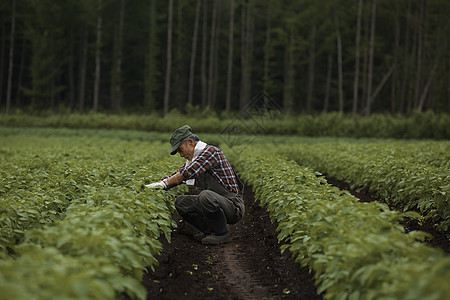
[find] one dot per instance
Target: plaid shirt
(212, 160)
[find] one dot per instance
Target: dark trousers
(212, 198)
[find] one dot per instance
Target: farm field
(73, 201)
(75, 219)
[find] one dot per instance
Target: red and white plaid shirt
(212, 160)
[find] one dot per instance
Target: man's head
(183, 141)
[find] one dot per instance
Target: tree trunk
(52, 93)
(340, 72)
(405, 60)
(267, 45)
(365, 65)
(212, 44)
(152, 73)
(21, 69)
(288, 101)
(11, 57)
(250, 37)
(371, 50)
(116, 81)
(312, 59)
(419, 55)
(98, 47)
(178, 78)
(394, 74)
(412, 61)
(71, 72)
(328, 84)
(2, 60)
(204, 49)
(216, 57)
(244, 52)
(83, 66)
(230, 58)
(169, 58)
(193, 53)
(246, 40)
(448, 83)
(357, 54)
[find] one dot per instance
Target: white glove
(157, 185)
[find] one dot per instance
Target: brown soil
(249, 266)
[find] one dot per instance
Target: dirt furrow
(250, 266)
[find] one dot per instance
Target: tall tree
(371, 57)
(179, 64)
(71, 71)
(2, 59)
(288, 98)
(267, 44)
(204, 80)
(21, 71)
(152, 72)
(11, 57)
(395, 84)
(311, 68)
(357, 58)
(340, 66)
(216, 56)
(169, 58)
(230, 57)
(82, 69)
(98, 47)
(193, 53)
(116, 78)
(406, 58)
(246, 51)
(212, 50)
(328, 84)
(419, 62)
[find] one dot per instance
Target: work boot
(199, 236)
(217, 225)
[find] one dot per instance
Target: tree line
(352, 56)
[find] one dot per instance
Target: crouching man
(220, 201)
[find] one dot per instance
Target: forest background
(120, 56)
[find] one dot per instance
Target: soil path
(250, 266)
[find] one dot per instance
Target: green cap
(177, 136)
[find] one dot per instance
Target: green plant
(81, 213)
(356, 250)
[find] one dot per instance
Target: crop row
(356, 250)
(39, 176)
(103, 234)
(411, 175)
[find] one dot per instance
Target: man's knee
(181, 204)
(208, 201)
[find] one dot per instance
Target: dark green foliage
(410, 175)
(356, 250)
(427, 125)
(55, 42)
(75, 218)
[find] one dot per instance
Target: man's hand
(157, 185)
